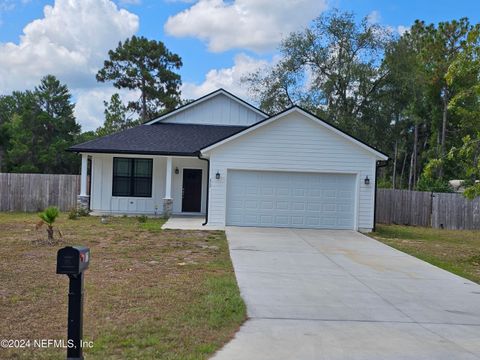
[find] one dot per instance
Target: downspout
(378, 164)
(208, 185)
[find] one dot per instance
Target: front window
(132, 177)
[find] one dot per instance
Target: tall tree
(149, 67)
(466, 104)
(116, 117)
(41, 126)
(402, 99)
(331, 68)
(441, 45)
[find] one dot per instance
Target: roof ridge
(191, 124)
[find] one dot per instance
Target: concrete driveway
(321, 294)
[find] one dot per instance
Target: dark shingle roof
(160, 139)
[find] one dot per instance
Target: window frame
(131, 177)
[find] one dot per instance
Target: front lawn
(457, 251)
(149, 293)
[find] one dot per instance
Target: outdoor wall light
(176, 170)
(217, 176)
(367, 180)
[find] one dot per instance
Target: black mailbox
(73, 260)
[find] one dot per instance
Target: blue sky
(219, 41)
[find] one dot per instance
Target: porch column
(83, 198)
(167, 200)
(83, 176)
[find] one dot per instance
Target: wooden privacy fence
(35, 192)
(438, 210)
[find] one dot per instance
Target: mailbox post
(73, 261)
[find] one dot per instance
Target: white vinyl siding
(218, 110)
(290, 199)
(102, 200)
(293, 143)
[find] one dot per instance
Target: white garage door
(287, 199)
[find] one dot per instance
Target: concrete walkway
(185, 222)
(320, 294)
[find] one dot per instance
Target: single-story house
(225, 159)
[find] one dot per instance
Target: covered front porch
(128, 184)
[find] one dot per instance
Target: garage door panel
(281, 220)
(281, 205)
(298, 206)
(282, 199)
(266, 205)
(268, 191)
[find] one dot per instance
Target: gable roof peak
(219, 91)
(379, 154)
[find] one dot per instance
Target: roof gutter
(208, 185)
(131, 152)
(378, 164)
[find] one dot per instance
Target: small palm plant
(48, 216)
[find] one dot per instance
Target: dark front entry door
(192, 190)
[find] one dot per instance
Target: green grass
(149, 293)
(457, 251)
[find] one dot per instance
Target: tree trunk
(394, 175)
(412, 175)
(403, 169)
(415, 152)
(144, 102)
(444, 132)
(50, 233)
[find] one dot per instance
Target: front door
(192, 190)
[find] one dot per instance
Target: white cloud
(374, 17)
(181, 1)
(402, 29)
(6, 5)
(70, 41)
(258, 25)
(130, 2)
(227, 78)
(89, 104)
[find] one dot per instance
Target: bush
(383, 183)
(48, 218)
(75, 213)
(142, 218)
(83, 212)
(435, 185)
(72, 214)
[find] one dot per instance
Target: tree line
(37, 126)
(414, 96)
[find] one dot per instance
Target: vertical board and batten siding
(102, 200)
(218, 110)
(177, 181)
(293, 143)
(421, 208)
(35, 192)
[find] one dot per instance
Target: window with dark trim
(132, 177)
